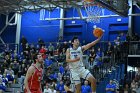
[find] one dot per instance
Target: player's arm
(28, 75)
(40, 87)
(89, 45)
(68, 57)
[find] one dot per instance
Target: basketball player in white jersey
(75, 63)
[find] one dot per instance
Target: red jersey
(34, 81)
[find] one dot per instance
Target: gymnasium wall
(9, 34)
(35, 26)
(136, 21)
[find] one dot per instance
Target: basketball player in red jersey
(33, 77)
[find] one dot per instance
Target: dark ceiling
(8, 6)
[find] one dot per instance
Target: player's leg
(92, 80)
(76, 80)
(88, 76)
(78, 88)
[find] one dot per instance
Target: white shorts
(78, 73)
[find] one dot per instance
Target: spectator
(41, 42)
(15, 67)
(92, 53)
(127, 89)
(109, 49)
(92, 56)
(32, 48)
(133, 85)
(5, 64)
(138, 89)
(2, 86)
(61, 69)
(15, 56)
(22, 73)
(9, 71)
(10, 75)
(23, 42)
(99, 56)
(8, 59)
(137, 77)
(62, 56)
(51, 49)
(52, 89)
(122, 36)
(37, 48)
(59, 77)
(57, 48)
(86, 88)
(43, 52)
(60, 87)
(47, 89)
(48, 62)
(53, 84)
(65, 46)
(117, 41)
(26, 52)
(91, 61)
(5, 79)
(111, 88)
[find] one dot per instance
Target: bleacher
(111, 69)
(15, 88)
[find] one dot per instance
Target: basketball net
(93, 10)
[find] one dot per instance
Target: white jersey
(73, 54)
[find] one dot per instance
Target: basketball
(97, 32)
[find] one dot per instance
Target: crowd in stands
(132, 86)
(56, 75)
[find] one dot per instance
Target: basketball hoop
(93, 10)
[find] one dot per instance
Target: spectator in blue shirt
(60, 87)
(61, 69)
(111, 88)
(48, 61)
(5, 79)
(53, 76)
(122, 36)
(98, 57)
(86, 88)
(2, 85)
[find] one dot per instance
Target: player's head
(75, 41)
(38, 58)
